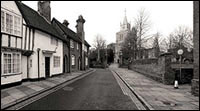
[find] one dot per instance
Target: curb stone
(141, 99)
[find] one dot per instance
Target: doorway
(47, 67)
(65, 65)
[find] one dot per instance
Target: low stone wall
(158, 69)
(150, 70)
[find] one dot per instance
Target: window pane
(9, 63)
(2, 21)
(18, 63)
(56, 61)
(9, 23)
(17, 28)
(5, 63)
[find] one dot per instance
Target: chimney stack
(81, 34)
(66, 23)
(44, 9)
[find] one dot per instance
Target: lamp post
(180, 52)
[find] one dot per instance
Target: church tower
(125, 25)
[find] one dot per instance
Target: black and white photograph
(99, 55)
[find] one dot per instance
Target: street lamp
(180, 53)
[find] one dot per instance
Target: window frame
(56, 61)
(71, 44)
(15, 63)
(12, 26)
(73, 60)
(77, 46)
(86, 61)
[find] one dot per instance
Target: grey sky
(104, 17)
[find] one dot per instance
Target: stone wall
(157, 69)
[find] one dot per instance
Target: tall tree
(142, 25)
(129, 46)
(181, 36)
(99, 43)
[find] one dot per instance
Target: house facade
(34, 47)
(75, 47)
(11, 43)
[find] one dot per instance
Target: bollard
(176, 84)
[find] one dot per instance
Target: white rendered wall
(43, 41)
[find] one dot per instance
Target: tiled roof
(69, 32)
(35, 20)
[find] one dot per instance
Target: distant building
(120, 37)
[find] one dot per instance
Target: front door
(47, 67)
(65, 64)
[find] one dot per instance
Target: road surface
(98, 91)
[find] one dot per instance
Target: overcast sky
(104, 17)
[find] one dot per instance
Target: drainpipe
(38, 52)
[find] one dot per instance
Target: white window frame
(73, 60)
(56, 61)
(2, 21)
(86, 61)
(15, 28)
(77, 46)
(71, 43)
(9, 23)
(15, 63)
(17, 25)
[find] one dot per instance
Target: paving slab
(158, 95)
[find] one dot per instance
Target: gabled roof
(67, 31)
(86, 43)
(35, 20)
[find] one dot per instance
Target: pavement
(16, 94)
(98, 91)
(157, 95)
